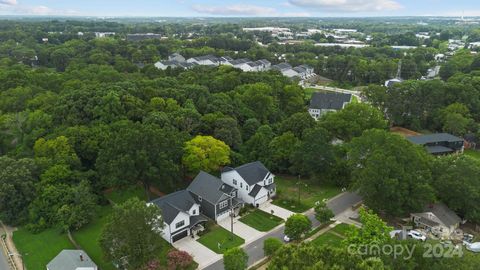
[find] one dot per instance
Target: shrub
(297, 225)
(271, 245)
(235, 259)
(179, 260)
(323, 213)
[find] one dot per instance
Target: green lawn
(122, 195)
(218, 235)
(329, 239)
(342, 228)
(261, 220)
(310, 192)
(473, 153)
(309, 92)
(39, 249)
(88, 238)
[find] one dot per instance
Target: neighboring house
(439, 143)
(286, 70)
(253, 181)
(163, 65)
(438, 219)
(206, 60)
(181, 215)
(240, 64)
(69, 259)
(176, 57)
(304, 71)
(214, 196)
(324, 102)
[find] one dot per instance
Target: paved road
(255, 249)
(341, 203)
(3, 261)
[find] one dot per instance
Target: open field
(310, 192)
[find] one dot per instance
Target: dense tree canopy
(392, 174)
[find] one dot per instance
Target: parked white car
(417, 235)
(474, 247)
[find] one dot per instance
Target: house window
(180, 224)
(234, 182)
(199, 198)
(223, 204)
(241, 185)
(246, 187)
(194, 212)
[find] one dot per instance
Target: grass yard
(121, 195)
(309, 92)
(287, 193)
(261, 220)
(218, 235)
(473, 153)
(341, 228)
(88, 238)
(39, 249)
(329, 239)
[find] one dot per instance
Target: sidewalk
(11, 246)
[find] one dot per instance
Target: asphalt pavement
(3, 261)
(254, 250)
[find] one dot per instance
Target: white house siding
(289, 73)
(242, 192)
(223, 216)
(262, 196)
(161, 66)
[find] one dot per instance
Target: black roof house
(329, 100)
(210, 188)
(438, 143)
(174, 203)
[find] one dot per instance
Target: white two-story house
(181, 215)
(253, 181)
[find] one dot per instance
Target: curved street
(3, 262)
(338, 205)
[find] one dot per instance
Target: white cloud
(348, 5)
(8, 2)
(235, 10)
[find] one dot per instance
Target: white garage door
(223, 216)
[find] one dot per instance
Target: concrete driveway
(277, 210)
(241, 229)
(200, 253)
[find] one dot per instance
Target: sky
(241, 8)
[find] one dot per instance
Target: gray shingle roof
(253, 172)
(444, 214)
(329, 100)
(209, 187)
(174, 203)
(433, 138)
(282, 66)
(239, 61)
(69, 259)
(255, 190)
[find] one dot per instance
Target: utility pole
(298, 185)
(231, 216)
